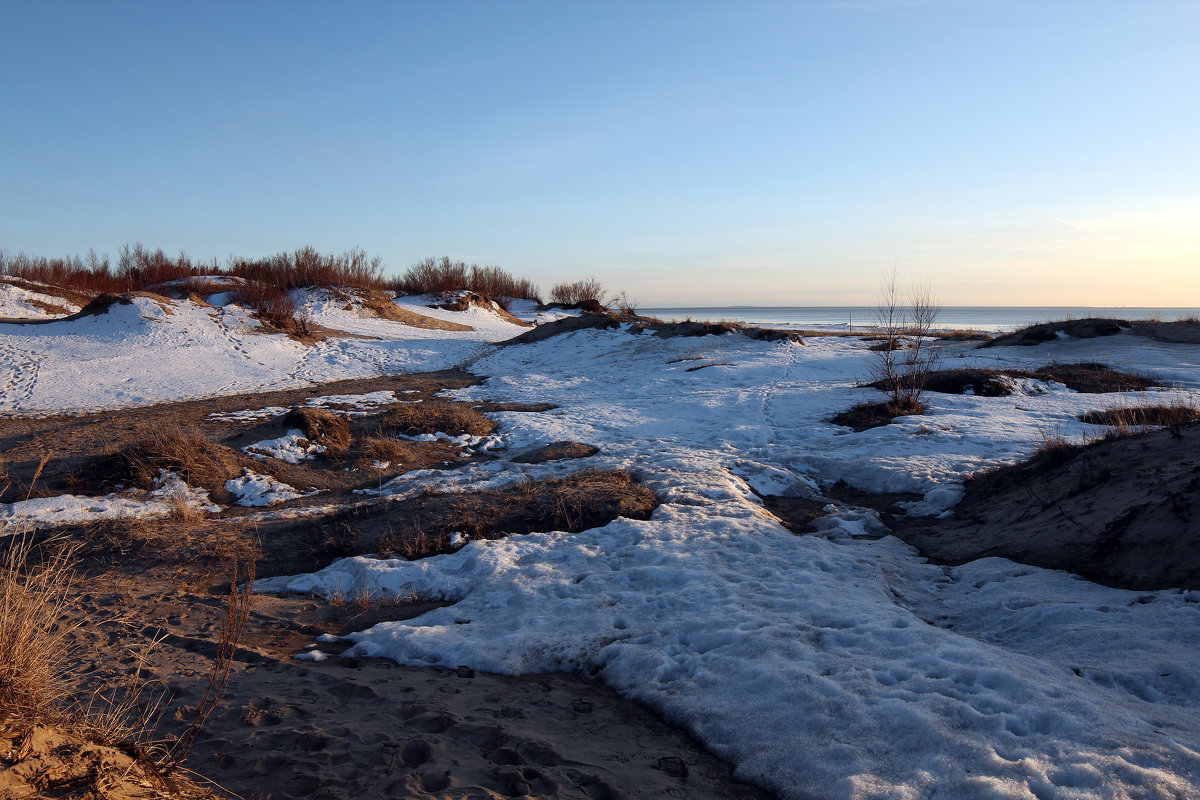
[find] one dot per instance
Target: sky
(1005, 152)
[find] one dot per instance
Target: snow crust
(252, 489)
(293, 447)
(15, 303)
(835, 665)
(170, 493)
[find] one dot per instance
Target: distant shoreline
(985, 318)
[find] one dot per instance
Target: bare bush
(569, 294)
(908, 354)
(442, 274)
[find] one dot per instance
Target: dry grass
(164, 447)
(1129, 420)
(865, 416)
(385, 450)
(1091, 378)
(432, 416)
(34, 595)
(323, 427)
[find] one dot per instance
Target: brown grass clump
(1091, 378)
(396, 453)
(195, 459)
(1128, 420)
(433, 416)
(865, 416)
(33, 643)
(323, 427)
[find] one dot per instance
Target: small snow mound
(253, 489)
(293, 447)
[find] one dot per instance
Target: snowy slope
(132, 354)
(822, 666)
(18, 302)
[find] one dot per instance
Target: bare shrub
(308, 267)
(907, 355)
(433, 416)
(274, 306)
(583, 291)
(623, 303)
(442, 274)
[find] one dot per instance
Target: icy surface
(835, 665)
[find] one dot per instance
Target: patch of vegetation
(865, 416)
(323, 427)
(1090, 378)
(982, 382)
(432, 416)
(438, 275)
(197, 460)
(584, 500)
(556, 451)
(584, 291)
(1128, 420)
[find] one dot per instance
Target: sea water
(983, 318)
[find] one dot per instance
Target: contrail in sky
(1077, 227)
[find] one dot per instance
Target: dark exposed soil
(1083, 377)
(1183, 331)
(639, 324)
(1123, 512)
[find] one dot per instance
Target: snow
(292, 447)
(170, 492)
(838, 664)
(17, 302)
(131, 354)
(252, 489)
(835, 665)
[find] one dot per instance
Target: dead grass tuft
(323, 427)
(1128, 420)
(34, 589)
(865, 416)
(163, 447)
(432, 416)
(396, 453)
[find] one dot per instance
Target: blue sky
(1031, 153)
